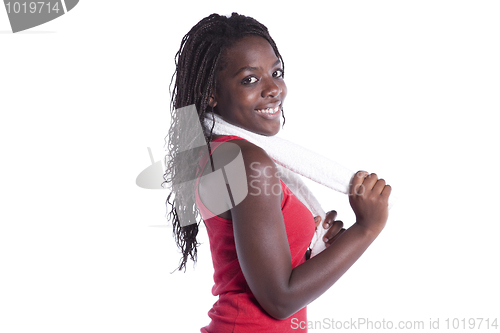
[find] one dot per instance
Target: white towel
(293, 160)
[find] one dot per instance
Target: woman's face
(250, 88)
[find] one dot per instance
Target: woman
(232, 67)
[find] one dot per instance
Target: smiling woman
(251, 87)
(263, 278)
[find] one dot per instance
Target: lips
(270, 109)
(270, 113)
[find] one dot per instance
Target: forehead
(252, 51)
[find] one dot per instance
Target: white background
(407, 89)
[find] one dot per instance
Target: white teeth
(269, 110)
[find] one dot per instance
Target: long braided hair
(200, 57)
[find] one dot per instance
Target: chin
(270, 131)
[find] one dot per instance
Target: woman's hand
(369, 200)
(335, 227)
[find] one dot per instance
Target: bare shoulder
(228, 151)
(245, 166)
(253, 153)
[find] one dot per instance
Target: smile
(269, 110)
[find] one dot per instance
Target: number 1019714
(32, 7)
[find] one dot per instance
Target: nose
(271, 88)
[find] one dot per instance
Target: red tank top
(237, 310)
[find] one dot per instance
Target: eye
(279, 73)
(249, 80)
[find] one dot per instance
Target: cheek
(246, 98)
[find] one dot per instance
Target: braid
(199, 59)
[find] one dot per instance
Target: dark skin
(335, 227)
(250, 82)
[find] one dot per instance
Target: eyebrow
(250, 68)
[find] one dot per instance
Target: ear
(212, 102)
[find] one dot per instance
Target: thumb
(317, 220)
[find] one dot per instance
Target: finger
(335, 228)
(379, 186)
(356, 182)
(317, 221)
(337, 225)
(370, 181)
(334, 238)
(332, 214)
(386, 191)
(329, 219)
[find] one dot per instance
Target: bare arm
(262, 245)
